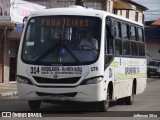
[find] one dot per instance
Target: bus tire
(129, 100)
(104, 105)
(34, 104)
(120, 101)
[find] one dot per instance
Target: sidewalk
(8, 90)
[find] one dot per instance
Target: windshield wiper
(70, 52)
(64, 45)
(46, 52)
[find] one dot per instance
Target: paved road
(147, 103)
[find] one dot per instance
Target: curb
(9, 94)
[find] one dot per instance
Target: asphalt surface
(145, 104)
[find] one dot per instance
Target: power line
(152, 14)
(153, 10)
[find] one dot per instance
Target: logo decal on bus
(55, 76)
(110, 72)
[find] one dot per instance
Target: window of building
(136, 16)
(127, 13)
(115, 11)
(108, 6)
(120, 12)
(143, 19)
(96, 5)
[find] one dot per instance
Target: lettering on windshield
(69, 22)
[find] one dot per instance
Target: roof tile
(156, 22)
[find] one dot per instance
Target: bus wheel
(129, 100)
(104, 105)
(120, 101)
(34, 105)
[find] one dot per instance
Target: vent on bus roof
(75, 6)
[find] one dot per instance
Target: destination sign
(55, 70)
(68, 22)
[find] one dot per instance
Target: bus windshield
(62, 40)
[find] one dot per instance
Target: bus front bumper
(81, 93)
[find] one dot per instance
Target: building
(152, 33)
(125, 8)
(12, 13)
(5, 26)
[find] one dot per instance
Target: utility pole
(79, 2)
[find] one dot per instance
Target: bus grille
(57, 81)
(60, 94)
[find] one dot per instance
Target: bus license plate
(57, 98)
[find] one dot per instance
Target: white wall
(153, 50)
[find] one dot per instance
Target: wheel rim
(132, 96)
(107, 99)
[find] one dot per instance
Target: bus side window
(118, 47)
(141, 45)
(118, 39)
(126, 47)
(134, 48)
(140, 35)
(109, 46)
(141, 49)
(125, 39)
(133, 33)
(109, 49)
(108, 37)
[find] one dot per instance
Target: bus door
(109, 52)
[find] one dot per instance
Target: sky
(154, 8)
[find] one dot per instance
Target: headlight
(158, 70)
(24, 80)
(94, 80)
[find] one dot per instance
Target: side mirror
(109, 28)
(24, 20)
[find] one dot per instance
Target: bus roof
(78, 10)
